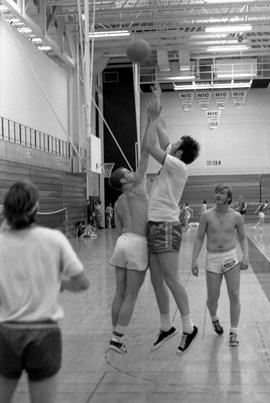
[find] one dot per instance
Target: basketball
(138, 51)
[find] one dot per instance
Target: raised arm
(143, 163)
(163, 137)
(152, 143)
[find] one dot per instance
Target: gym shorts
(38, 351)
(221, 262)
(164, 236)
(130, 252)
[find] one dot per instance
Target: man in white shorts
(130, 256)
(222, 226)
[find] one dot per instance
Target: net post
(66, 219)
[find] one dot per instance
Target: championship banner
(203, 98)
(186, 99)
(221, 97)
(213, 118)
(239, 97)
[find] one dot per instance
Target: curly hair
(190, 148)
(21, 204)
(116, 180)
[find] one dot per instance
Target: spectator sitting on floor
(79, 228)
(89, 232)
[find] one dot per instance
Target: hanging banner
(186, 99)
(221, 97)
(213, 118)
(203, 98)
(239, 97)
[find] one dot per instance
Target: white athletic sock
(214, 318)
(165, 322)
(119, 332)
(187, 324)
(233, 330)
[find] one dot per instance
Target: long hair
(221, 187)
(21, 204)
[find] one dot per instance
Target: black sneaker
(163, 336)
(117, 346)
(217, 327)
(186, 341)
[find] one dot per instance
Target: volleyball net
(57, 219)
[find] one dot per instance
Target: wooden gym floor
(210, 372)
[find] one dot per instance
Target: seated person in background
(79, 228)
(89, 232)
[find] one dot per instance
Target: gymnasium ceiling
(175, 30)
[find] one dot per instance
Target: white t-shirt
(31, 263)
(167, 190)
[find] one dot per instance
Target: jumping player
(164, 228)
(130, 256)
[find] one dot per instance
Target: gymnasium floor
(210, 372)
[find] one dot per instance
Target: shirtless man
(130, 256)
(222, 226)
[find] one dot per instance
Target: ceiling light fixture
(109, 34)
(24, 30)
(229, 48)
(44, 47)
(180, 78)
(225, 1)
(3, 9)
(37, 40)
(212, 86)
(229, 28)
(237, 75)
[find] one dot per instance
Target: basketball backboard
(94, 154)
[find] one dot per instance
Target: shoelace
(217, 325)
(233, 338)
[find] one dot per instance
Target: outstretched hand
(153, 109)
(156, 91)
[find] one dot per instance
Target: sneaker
(186, 341)
(234, 342)
(163, 336)
(217, 327)
(117, 346)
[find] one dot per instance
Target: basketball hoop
(106, 168)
